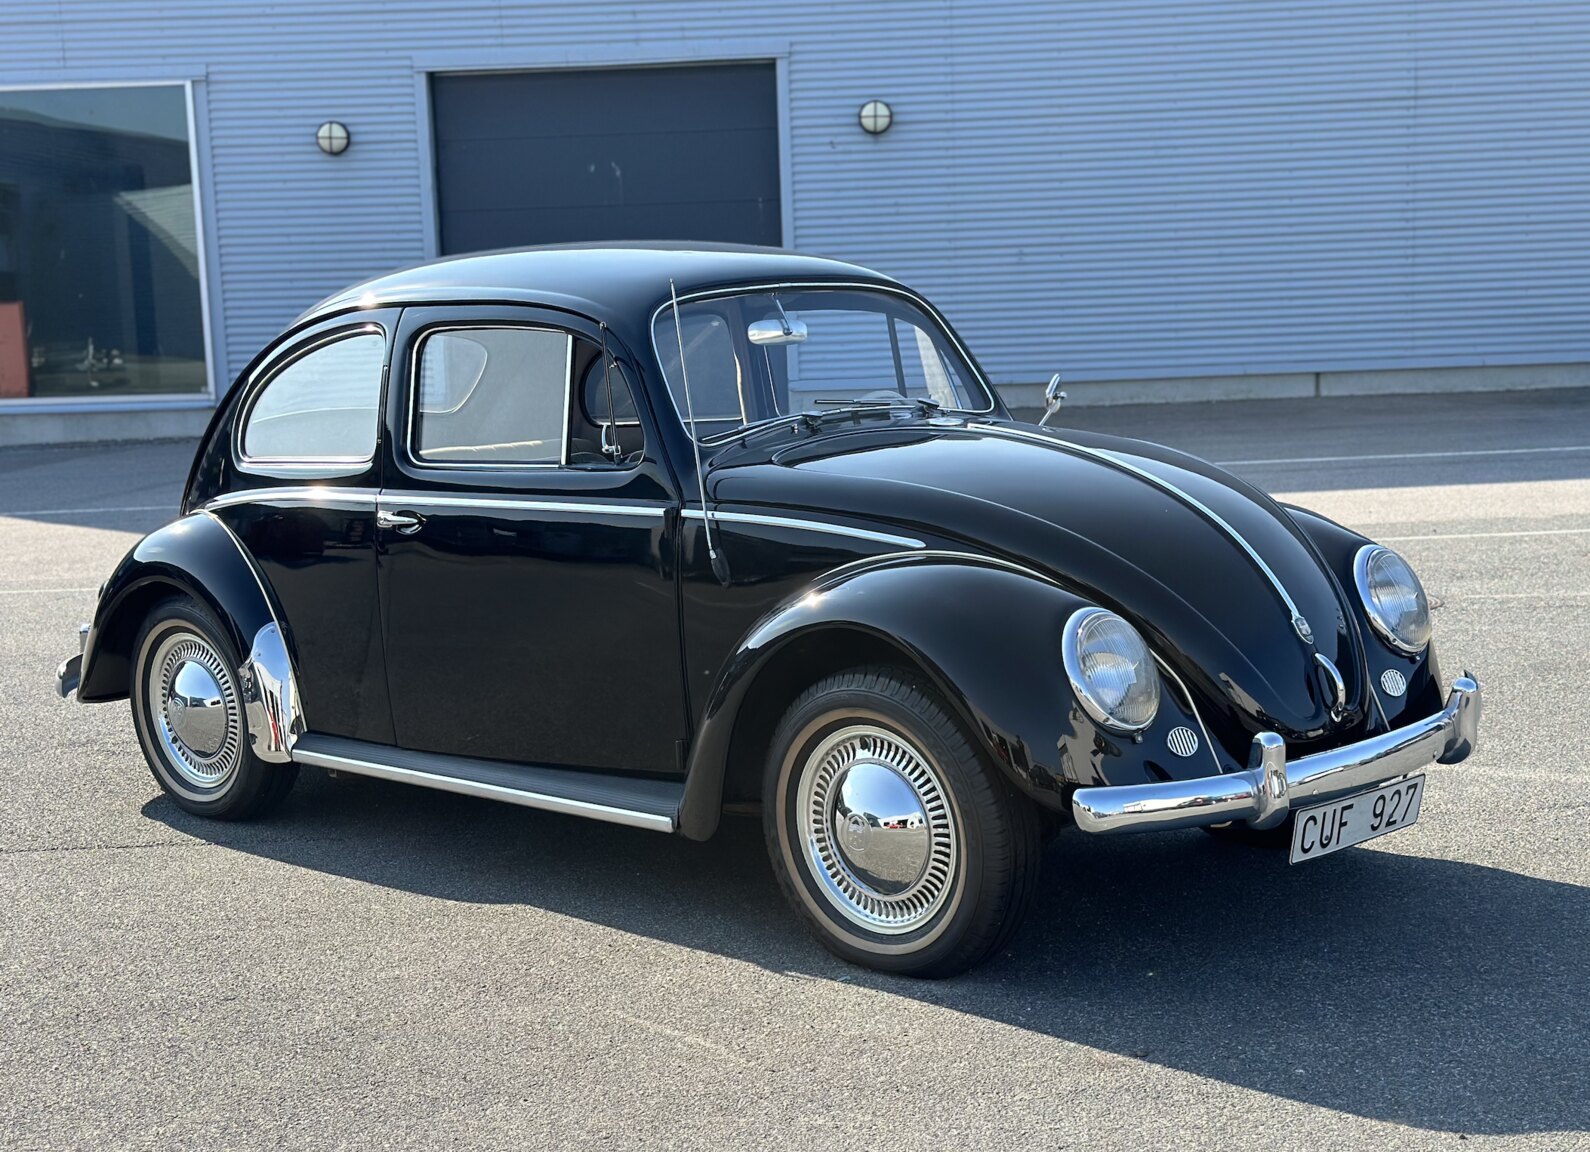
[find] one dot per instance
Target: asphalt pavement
(378, 966)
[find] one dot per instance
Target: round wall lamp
(333, 138)
(875, 117)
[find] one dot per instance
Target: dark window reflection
(99, 252)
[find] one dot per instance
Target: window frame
(268, 373)
(716, 439)
(192, 86)
(411, 404)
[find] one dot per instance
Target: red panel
(13, 351)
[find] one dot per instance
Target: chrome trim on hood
(1299, 623)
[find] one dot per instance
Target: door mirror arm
(1053, 396)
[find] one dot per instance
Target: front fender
(1420, 674)
(198, 556)
(985, 632)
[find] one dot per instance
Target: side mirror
(776, 332)
(1054, 397)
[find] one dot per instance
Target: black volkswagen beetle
(635, 532)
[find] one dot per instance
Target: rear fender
(197, 556)
(986, 633)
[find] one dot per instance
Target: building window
(99, 245)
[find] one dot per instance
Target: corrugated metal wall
(1116, 188)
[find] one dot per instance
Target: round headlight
(1393, 597)
(1111, 669)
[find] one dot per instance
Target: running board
(630, 800)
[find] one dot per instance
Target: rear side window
(322, 405)
(492, 396)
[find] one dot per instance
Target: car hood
(1203, 563)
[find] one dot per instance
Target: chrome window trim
(1299, 623)
(401, 499)
(267, 373)
(900, 290)
(308, 496)
(808, 525)
(413, 397)
(524, 797)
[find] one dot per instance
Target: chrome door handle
(404, 522)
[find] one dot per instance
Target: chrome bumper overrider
(70, 673)
(1271, 787)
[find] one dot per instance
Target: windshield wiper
(833, 409)
(857, 406)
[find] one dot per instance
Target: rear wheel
(188, 713)
(892, 839)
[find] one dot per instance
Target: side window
(322, 406)
(492, 396)
(602, 385)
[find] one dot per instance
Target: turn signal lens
(1393, 598)
(1111, 669)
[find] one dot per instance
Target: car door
(527, 577)
(301, 498)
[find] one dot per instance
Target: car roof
(608, 281)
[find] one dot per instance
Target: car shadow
(1440, 995)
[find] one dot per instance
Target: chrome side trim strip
(807, 525)
(518, 796)
(417, 500)
(279, 666)
(1271, 787)
(307, 496)
(1300, 624)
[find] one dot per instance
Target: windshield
(759, 355)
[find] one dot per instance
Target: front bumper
(70, 673)
(1266, 792)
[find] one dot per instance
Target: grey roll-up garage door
(687, 153)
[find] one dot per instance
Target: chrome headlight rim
(1091, 704)
(1361, 562)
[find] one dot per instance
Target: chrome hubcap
(877, 827)
(195, 710)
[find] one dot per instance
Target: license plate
(1328, 828)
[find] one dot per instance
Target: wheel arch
(198, 557)
(927, 614)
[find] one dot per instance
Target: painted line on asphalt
(42, 591)
(1460, 597)
(1489, 535)
(92, 511)
(1407, 456)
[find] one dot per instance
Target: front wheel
(188, 713)
(893, 839)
